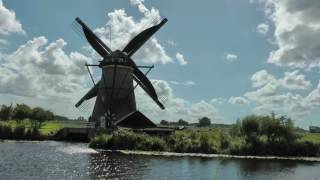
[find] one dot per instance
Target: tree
(204, 121)
(251, 128)
(182, 122)
(277, 128)
(6, 112)
(235, 130)
(40, 115)
(21, 112)
(164, 123)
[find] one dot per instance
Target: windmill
(115, 103)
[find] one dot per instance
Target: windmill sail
(115, 98)
(141, 38)
(94, 41)
(90, 94)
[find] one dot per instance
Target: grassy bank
(198, 140)
(10, 129)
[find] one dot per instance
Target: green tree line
(202, 122)
(21, 112)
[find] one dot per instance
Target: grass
(48, 127)
(204, 140)
(311, 137)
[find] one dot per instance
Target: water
(56, 160)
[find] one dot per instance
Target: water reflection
(114, 165)
(55, 160)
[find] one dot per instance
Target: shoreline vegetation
(251, 136)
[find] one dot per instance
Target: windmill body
(115, 99)
(115, 96)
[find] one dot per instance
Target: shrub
(127, 140)
(19, 132)
(6, 132)
(224, 140)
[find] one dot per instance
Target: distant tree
(6, 112)
(38, 116)
(235, 129)
(204, 121)
(182, 122)
(251, 128)
(80, 118)
(21, 112)
(61, 118)
(164, 123)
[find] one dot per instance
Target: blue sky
(226, 47)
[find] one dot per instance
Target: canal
(58, 160)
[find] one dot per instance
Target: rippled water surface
(56, 160)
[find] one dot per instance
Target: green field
(48, 127)
(311, 137)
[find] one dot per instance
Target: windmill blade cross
(94, 41)
(142, 37)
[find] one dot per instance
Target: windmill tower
(115, 103)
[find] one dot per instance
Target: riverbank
(173, 154)
(195, 141)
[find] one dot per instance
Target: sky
(222, 59)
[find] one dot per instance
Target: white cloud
(176, 107)
(314, 96)
(238, 100)
(231, 57)
(181, 59)
(274, 94)
(291, 80)
(186, 83)
(125, 27)
(263, 28)
(218, 100)
(44, 71)
(297, 32)
(171, 43)
(294, 80)
(8, 22)
(262, 78)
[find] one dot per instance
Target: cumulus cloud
(294, 80)
(263, 28)
(314, 96)
(291, 80)
(176, 107)
(297, 32)
(123, 28)
(274, 94)
(41, 70)
(186, 83)
(261, 78)
(218, 100)
(238, 100)
(181, 59)
(8, 22)
(231, 57)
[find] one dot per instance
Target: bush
(5, 132)
(199, 141)
(127, 140)
(203, 122)
(224, 140)
(19, 132)
(251, 129)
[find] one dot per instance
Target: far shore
(174, 154)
